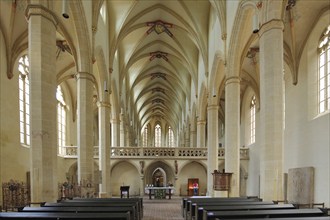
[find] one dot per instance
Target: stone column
(193, 133)
(201, 133)
(232, 135)
(142, 184)
(122, 130)
(163, 137)
(271, 110)
(212, 148)
(104, 148)
(43, 103)
(85, 128)
(187, 136)
(115, 135)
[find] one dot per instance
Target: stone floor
(162, 209)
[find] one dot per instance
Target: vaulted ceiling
(158, 44)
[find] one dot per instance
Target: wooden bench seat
(200, 209)
(212, 215)
(193, 207)
(293, 218)
(97, 204)
(110, 200)
(131, 210)
(185, 206)
(63, 215)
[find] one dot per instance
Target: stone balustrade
(153, 152)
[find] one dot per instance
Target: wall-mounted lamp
(255, 24)
(214, 94)
(105, 87)
(65, 13)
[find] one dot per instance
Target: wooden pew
(262, 214)
(63, 215)
(211, 208)
(131, 210)
(96, 204)
(293, 218)
(185, 207)
(193, 207)
(111, 200)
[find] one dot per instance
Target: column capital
(213, 107)
(201, 122)
(39, 10)
(84, 75)
(270, 25)
(103, 104)
(233, 79)
(114, 121)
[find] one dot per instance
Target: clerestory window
(158, 135)
(170, 137)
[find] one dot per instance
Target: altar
(159, 192)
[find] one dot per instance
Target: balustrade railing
(153, 152)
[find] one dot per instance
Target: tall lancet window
(61, 120)
(253, 120)
(158, 135)
(324, 72)
(170, 137)
(145, 137)
(24, 99)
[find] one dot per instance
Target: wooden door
(190, 185)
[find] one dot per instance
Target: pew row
(131, 210)
(63, 215)
(185, 204)
(198, 215)
(110, 200)
(133, 204)
(209, 215)
(192, 207)
(293, 218)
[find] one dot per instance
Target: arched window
(170, 137)
(61, 119)
(145, 137)
(253, 120)
(324, 72)
(24, 99)
(158, 135)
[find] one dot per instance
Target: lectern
(124, 190)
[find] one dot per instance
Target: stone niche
(301, 185)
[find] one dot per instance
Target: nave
(162, 209)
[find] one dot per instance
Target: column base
(103, 195)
